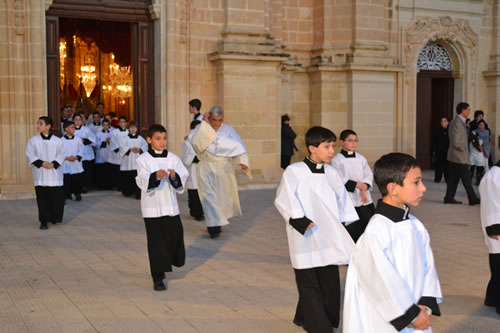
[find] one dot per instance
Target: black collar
(133, 136)
(97, 124)
(122, 129)
(313, 166)
(164, 153)
(348, 154)
(105, 131)
(78, 127)
(393, 213)
(68, 138)
(46, 137)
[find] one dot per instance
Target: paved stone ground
(91, 274)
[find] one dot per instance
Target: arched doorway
(435, 90)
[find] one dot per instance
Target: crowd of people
(331, 220)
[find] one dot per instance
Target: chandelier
(119, 82)
(87, 73)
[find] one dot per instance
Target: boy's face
(100, 108)
(122, 123)
(350, 143)
(158, 141)
(444, 122)
(413, 189)
(105, 125)
(132, 130)
(193, 109)
(215, 121)
(66, 113)
(70, 130)
(481, 126)
(78, 121)
(322, 153)
(42, 127)
(96, 118)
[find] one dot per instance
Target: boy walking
(392, 283)
(489, 189)
(358, 180)
(131, 146)
(73, 168)
(160, 175)
(45, 154)
(314, 202)
(102, 168)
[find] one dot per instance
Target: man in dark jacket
(440, 144)
(287, 145)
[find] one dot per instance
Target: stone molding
(154, 9)
(19, 16)
(48, 3)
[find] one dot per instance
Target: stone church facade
(334, 63)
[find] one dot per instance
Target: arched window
(434, 57)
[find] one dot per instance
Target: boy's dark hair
(47, 121)
(122, 117)
(133, 124)
(156, 128)
(345, 134)
(444, 117)
(478, 113)
(100, 103)
(112, 114)
(106, 121)
(317, 135)
(481, 122)
(284, 118)
(461, 106)
(78, 115)
(96, 113)
(194, 123)
(67, 123)
(392, 168)
(195, 103)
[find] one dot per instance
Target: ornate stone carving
(184, 18)
(434, 57)
(155, 9)
(19, 16)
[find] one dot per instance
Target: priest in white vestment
(218, 147)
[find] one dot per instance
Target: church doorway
(435, 90)
(101, 53)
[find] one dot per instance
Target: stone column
(22, 86)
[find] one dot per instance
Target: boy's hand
(364, 198)
(243, 167)
(423, 320)
(361, 186)
(161, 174)
(108, 140)
(310, 226)
(134, 150)
(172, 173)
(497, 237)
(47, 165)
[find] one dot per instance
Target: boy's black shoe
(475, 202)
(84, 190)
(159, 285)
(44, 226)
(489, 302)
(214, 235)
(452, 201)
(298, 323)
(199, 218)
(78, 197)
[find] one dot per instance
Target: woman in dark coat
(287, 145)
(440, 144)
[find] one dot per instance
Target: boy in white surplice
(314, 203)
(392, 283)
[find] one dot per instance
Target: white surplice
(85, 133)
(128, 161)
(101, 155)
(187, 156)
(160, 200)
(117, 134)
(489, 189)
(217, 186)
(391, 268)
(46, 151)
(72, 147)
(323, 199)
(356, 169)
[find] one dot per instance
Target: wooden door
(53, 79)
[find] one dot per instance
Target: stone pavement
(91, 273)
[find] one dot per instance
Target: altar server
(45, 154)
(358, 179)
(160, 175)
(102, 168)
(217, 145)
(88, 158)
(489, 188)
(72, 166)
(131, 146)
(392, 283)
(190, 161)
(314, 202)
(114, 157)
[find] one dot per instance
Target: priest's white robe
(217, 186)
(160, 200)
(489, 189)
(323, 199)
(88, 151)
(128, 158)
(391, 268)
(72, 147)
(187, 156)
(117, 134)
(46, 151)
(355, 169)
